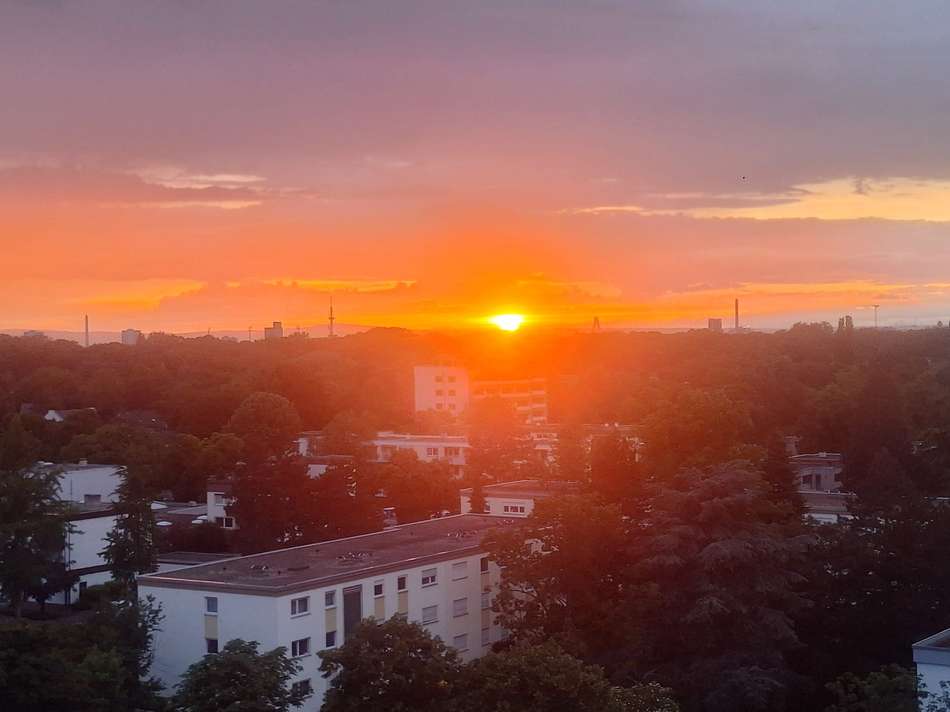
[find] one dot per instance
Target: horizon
(435, 165)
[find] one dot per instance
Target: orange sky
(228, 165)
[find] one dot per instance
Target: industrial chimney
(737, 315)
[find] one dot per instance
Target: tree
(613, 469)
(393, 666)
(416, 489)
(547, 679)
(780, 477)
(32, 531)
(572, 453)
(267, 424)
(240, 678)
(278, 498)
(131, 548)
(890, 689)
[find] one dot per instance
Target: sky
(184, 166)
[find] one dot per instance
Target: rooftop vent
(303, 567)
(352, 557)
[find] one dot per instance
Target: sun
(507, 322)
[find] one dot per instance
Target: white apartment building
(309, 598)
(85, 540)
(442, 388)
(932, 658)
(131, 337)
(818, 472)
(528, 396)
(428, 448)
(87, 484)
(219, 494)
(516, 499)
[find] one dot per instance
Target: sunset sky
(190, 165)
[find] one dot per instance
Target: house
(449, 388)
(310, 598)
(220, 497)
(516, 499)
(59, 416)
(932, 658)
(818, 471)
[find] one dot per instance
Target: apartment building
(818, 472)
(441, 387)
(310, 598)
(219, 498)
(451, 449)
(528, 396)
(89, 524)
(932, 660)
(516, 499)
(86, 483)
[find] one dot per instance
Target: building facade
(932, 658)
(130, 337)
(439, 387)
(451, 449)
(518, 498)
(275, 331)
(310, 598)
(818, 472)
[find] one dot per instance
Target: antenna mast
(331, 319)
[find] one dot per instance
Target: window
(459, 570)
(486, 636)
(451, 406)
(219, 499)
(486, 600)
(299, 606)
(483, 564)
(91, 498)
(451, 379)
(329, 599)
(331, 639)
(438, 406)
(428, 577)
(438, 391)
(82, 586)
(514, 509)
(430, 614)
(432, 452)
(211, 604)
(460, 642)
(401, 583)
(438, 379)
(378, 589)
(487, 508)
(299, 648)
(452, 451)
(303, 687)
(460, 607)
(226, 522)
(451, 391)
(211, 645)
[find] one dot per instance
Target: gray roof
(528, 488)
(275, 573)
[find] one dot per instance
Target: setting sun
(507, 322)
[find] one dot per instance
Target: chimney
(737, 315)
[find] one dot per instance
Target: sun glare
(507, 322)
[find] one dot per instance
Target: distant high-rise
(274, 332)
(715, 325)
(130, 337)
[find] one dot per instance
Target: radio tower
(331, 319)
(595, 327)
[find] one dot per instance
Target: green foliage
(266, 423)
(544, 678)
(240, 678)
(130, 546)
(393, 666)
(891, 689)
(418, 489)
(32, 532)
(96, 666)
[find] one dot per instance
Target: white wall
(496, 505)
(268, 620)
(79, 481)
(429, 380)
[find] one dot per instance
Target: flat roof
(191, 558)
(276, 573)
(528, 488)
